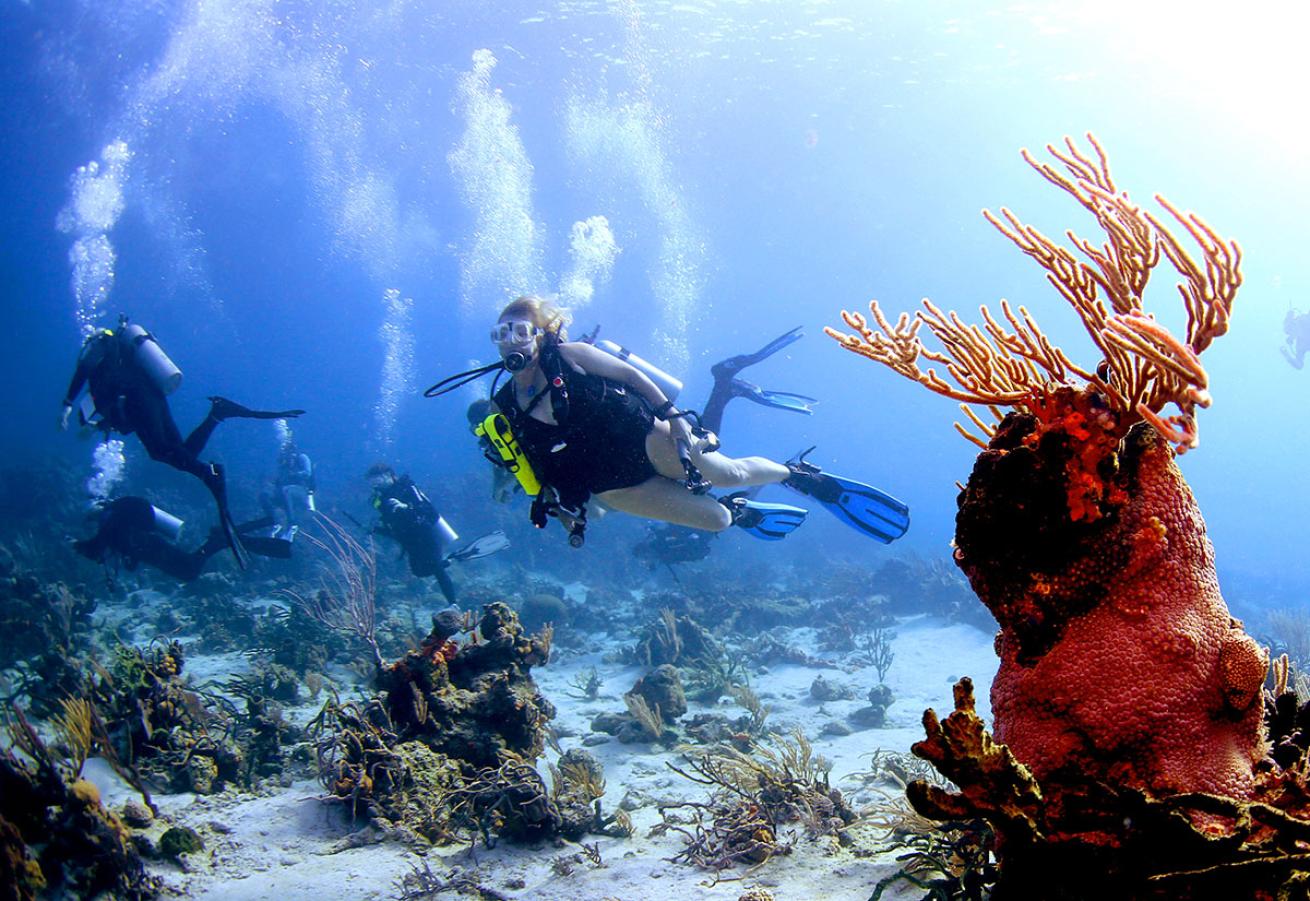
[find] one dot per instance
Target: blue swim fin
(864, 508)
(783, 400)
(768, 522)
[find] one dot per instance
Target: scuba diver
(611, 432)
(666, 545)
(1296, 328)
(293, 491)
(128, 377)
(408, 518)
(135, 531)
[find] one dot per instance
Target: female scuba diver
(610, 432)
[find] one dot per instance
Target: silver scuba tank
(151, 357)
(666, 383)
(444, 530)
(166, 524)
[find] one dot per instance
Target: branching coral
(346, 601)
(754, 797)
(1011, 363)
(1130, 757)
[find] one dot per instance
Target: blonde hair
(542, 313)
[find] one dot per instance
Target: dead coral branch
(1011, 363)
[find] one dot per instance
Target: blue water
(760, 166)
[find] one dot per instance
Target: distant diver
(292, 497)
(667, 545)
(612, 432)
(406, 516)
(132, 531)
(129, 377)
(1296, 329)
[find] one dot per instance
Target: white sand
(290, 845)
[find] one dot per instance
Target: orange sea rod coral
(1126, 691)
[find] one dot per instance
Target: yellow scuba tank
(495, 428)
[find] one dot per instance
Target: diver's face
(515, 336)
(377, 483)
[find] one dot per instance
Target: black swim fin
(216, 481)
(734, 365)
(276, 548)
(221, 408)
(868, 510)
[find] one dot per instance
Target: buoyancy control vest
(598, 440)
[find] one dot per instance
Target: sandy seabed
(286, 843)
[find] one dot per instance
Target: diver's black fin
(221, 408)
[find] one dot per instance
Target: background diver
(406, 516)
(292, 495)
(128, 377)
(1296, 329)
(611, 432)
(133, 531)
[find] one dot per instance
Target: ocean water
(325, 205)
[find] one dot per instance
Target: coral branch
(1012, 363)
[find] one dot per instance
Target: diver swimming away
(128, 377)
(407, 516)
(609, 431)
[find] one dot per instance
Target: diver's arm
(76, 383)
(75, 386)
(596, 362)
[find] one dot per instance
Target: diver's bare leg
(668, 501)
(721, 470)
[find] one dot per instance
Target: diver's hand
(680, 429)
(64, 416)
(395, 504)
(682, 432)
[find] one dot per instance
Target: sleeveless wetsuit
(599, 443)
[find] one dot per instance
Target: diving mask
(515, 332)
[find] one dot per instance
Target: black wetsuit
(129, 402)
(413, 527)
(127, 528)
(599, 443)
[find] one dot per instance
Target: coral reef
(755, 797)
(447, 747)
(35, 616)
(1128, 700)
(55, 835)
(182, 739)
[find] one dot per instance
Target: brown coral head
(1243, 665)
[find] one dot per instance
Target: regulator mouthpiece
(515, 362)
